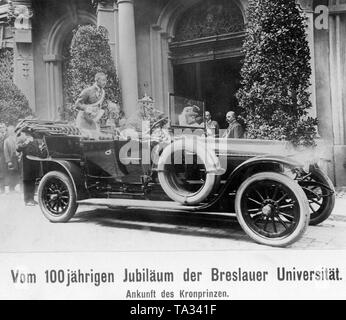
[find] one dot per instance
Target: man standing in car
(89, 104)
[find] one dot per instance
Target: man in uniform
(89, 104)
(211, 125)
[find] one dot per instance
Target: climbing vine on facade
(89, 53)
(276, 73)
(13, 103)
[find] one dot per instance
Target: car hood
(251, 148)
(266, 149)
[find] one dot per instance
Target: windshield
(186, 112)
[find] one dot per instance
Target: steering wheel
(155, 124)
(120, 135)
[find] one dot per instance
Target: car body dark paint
(89, 163)
(69, 167)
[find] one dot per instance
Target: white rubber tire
(178, 194)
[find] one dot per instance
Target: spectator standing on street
(11, 159)
(235, 129)
(28, 146)
(211, 125)
(2, 158)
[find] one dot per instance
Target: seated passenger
(189, 117)
(138, 124)
(116, 118)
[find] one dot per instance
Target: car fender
(284, 160)
(73, 171)
(269, 161)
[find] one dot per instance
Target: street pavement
(97, 229)
(339, 211)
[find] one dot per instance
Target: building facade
(188, 47)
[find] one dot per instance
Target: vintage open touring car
(273, 194)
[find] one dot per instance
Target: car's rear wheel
(272, 209)
(57, 197)
(320, 192)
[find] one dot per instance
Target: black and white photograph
(172, 150)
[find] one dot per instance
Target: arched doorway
(206, 55)
(59, 37)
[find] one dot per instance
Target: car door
(134, 156)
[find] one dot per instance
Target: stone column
(23, 56)
(116, 35)
(53, 64)
(337, 59)
(335, 70)
(107, 13)
(127, 56)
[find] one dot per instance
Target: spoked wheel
(321, 195)
(57, 197)
(272, 209)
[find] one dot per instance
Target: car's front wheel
(320, 192)
(272, 209)
(57, 197)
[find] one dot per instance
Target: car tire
(272, 209)
(171, 184)
(180, 195)
(321, 203)
(57, 197)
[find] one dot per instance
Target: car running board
(145, 204)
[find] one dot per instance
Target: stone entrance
(206, 54)
(215, 82)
